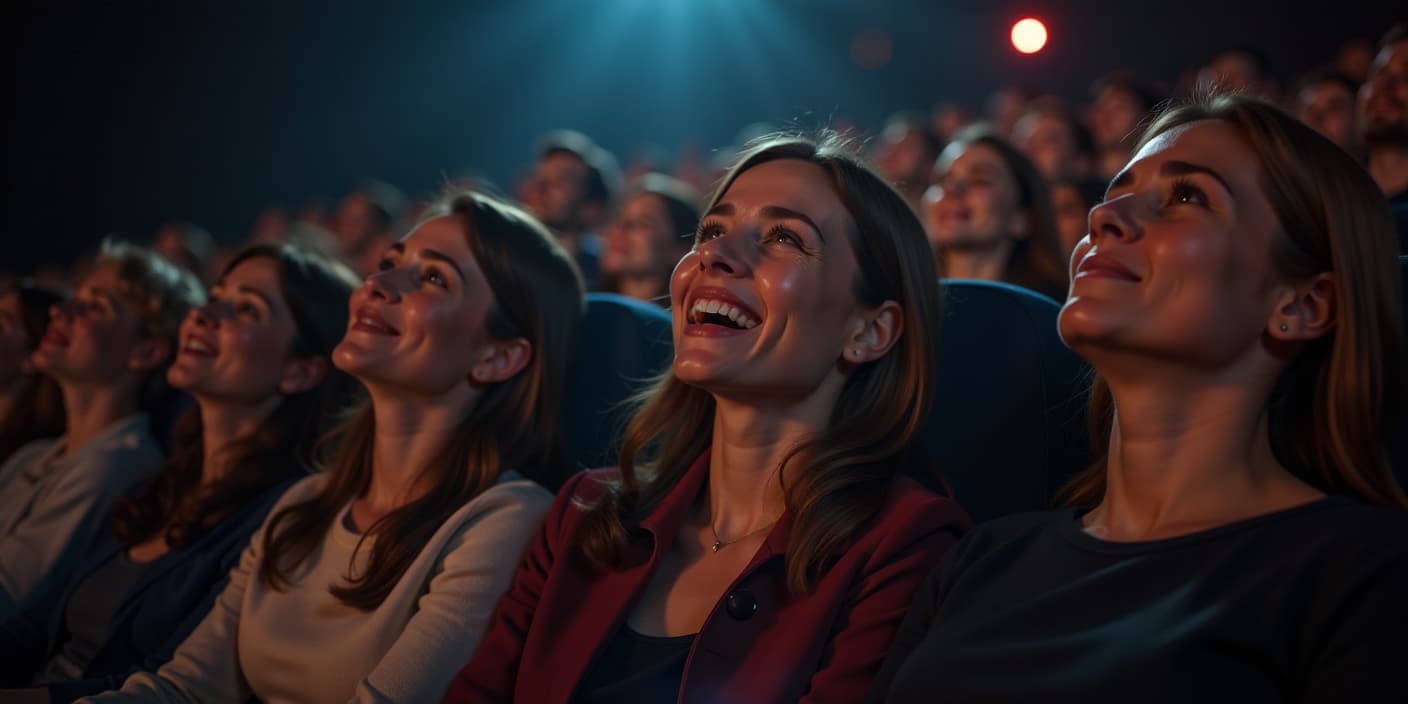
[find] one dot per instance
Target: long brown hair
(283, 447)
(840, 478)
(1328, 408)
(39, 413)
(514, 425)
(1035, 261)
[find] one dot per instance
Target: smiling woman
(758, 541)
(372, 581)
(1240, 538)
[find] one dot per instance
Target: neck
(1388, 165)
(644, 287)
(12, 393)
(988, 264)
(1189, 452)
(748, 446)
(410, 433)
(223, 425)
(90, 409)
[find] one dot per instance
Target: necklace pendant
(717, 545)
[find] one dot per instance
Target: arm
(911, 632)
(491, 673)
(872, 616)
(450, 618)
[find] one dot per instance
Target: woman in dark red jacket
(759, 541)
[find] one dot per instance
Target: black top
(1309, 604)
(89, 616)
(636, 668)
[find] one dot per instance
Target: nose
(209, 315)
(1114, 218)
(382, 285)
(64, 310)
(720, 254)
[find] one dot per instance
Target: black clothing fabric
(637, 668)
(1309, 604)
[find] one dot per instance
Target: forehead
(1395, 55)
(793, 184)
(256, 272)
(103, 278)
(562, 163)
(643, 205)
(972, 155)
(1211, 143)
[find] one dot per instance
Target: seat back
(1398, 423)
(1008, 425)
(623, 344)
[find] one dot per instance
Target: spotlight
(1029, 35)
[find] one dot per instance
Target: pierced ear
(501, 360)
(881, 329)
(148, 355)
(302, 374)
(1306, 312)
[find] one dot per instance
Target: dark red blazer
(758, 645)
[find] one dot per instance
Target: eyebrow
(400, 248)
(1171, 168)
(257, 293)
(771, 211)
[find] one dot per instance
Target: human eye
(247, 310)
(1184, 192)
(433, 276)
(708, 230)
(783, 235)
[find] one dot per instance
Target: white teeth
(196, 345)
(728, 310)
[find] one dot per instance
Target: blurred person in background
(571, 190)
(31, 406)
(648, 236)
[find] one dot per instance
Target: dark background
(127, 114)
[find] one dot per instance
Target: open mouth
(198, 347)
(712, 311)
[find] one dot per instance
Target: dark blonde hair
(1329, 407)
(514, 425)
(837, 481)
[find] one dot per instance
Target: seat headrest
(623, 344)
(1008, 424)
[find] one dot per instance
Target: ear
(877, 332)
(1306, 311)
(500, 360)
(302, 374)
(148, 354)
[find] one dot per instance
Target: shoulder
(301, 490)
(1345, 529)
(910, 507)
(512, 493)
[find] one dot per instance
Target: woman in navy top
(1242, 538)
(256, 358)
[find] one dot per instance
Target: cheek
(683, 274)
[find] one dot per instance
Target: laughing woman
(759, 542)
(372, 582)
(256, 359)
(1242, 539)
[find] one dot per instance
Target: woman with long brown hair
(758, 542)
(1241, 539)
(257, 360)
(373, 580)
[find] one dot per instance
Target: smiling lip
(368, 321)
(53, 337)
(198, 346)
(1104, 266)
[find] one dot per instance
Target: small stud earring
(1285, 327)
(855, 353)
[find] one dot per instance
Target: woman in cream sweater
(374, 580)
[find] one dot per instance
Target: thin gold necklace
(721, 544)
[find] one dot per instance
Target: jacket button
(741, 605)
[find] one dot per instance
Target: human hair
(1328, 74)
(161, 292)
(836, 481)
(1395, 34)
(514, 424)
(174, 503)
(1035, 261)
(603, 172)
(1328, 408)
(39, 412)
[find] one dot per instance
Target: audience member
(905, 154)
(759, 527)
(649, 234)
(108, 349)
(188, 246)
(571, 190)
(989, 216)
(1057, 144)
(1383, 115)
(1326, 102)
(31, 406)
(1241, 538)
